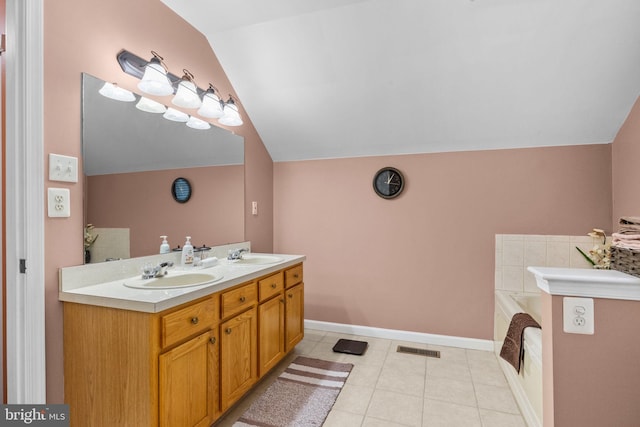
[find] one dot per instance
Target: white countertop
(115, 294)
(589, 283)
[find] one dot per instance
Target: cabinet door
(238, 356)
(294, 316)
(271, 333)
(188, 383)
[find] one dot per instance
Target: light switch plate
(63, 168)
(59, 203)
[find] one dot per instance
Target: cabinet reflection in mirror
(130, 159)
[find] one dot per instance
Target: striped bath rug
(301, 396)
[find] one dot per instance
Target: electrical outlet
(59, 202)
(578, 315)
(63, 168)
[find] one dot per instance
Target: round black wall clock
(388, 182)
(181, 190)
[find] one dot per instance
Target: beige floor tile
(496, 398)
(390, 389)
(450, 353)
(364, 375)
(354, 398)
(401, 382)
(396, 407)
(374, 422)
(445, 414)
(450, 390)
(337, 418)
(500, 419)
(455, 369)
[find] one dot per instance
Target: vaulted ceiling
(345, 78)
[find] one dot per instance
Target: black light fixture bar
(134, 65)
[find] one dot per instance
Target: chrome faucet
(236, 254)
(150, 271)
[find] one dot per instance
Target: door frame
(25, 208)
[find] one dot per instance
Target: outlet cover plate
(578, 315)
(59, 202)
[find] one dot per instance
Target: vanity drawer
(269, 286)
(189, 321)
(293, 276)
(239, 299)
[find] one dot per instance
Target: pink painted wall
(85, 36)
(592, 380)
(425, 261)
(143, 203)
(626, 170)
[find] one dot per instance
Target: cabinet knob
(290, 295)
(273, 286)
(295, 276)
(242, 299)
(228, 331)
(194, 320)
(212, 340)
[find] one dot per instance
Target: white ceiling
(345, 78)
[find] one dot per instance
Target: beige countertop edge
(80, 297)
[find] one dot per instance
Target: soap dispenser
(164, 247)
(187, 253)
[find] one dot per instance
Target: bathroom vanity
(177, 356)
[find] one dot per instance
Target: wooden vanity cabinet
(271, 322)
(188, 383)
(280, 316)
(181, 367)
(238, 344)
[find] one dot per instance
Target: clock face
(388, 182)
(181, 190)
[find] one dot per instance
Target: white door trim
(26, 361)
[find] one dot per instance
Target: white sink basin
(173, 281)
(256, 259)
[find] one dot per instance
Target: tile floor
(463, 388)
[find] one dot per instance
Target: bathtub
(526, 385)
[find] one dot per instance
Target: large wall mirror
(131, 159)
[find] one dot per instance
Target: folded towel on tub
(513, 349)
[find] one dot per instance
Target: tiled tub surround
(101, 284)
(515, 252)
(516, 291)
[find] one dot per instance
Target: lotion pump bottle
(187, 253)
(164, 247)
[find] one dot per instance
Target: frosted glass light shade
(175, 115)
(231, 115)
(196, 123)
(155, 80)
(211, 106)
(150, 106)
(112, 91)
(186, 95)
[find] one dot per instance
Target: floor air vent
(419, 351)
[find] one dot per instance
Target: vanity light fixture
(211, 105)
(150, 106)
(113, 91)
(175, 115)
(155, 80)
(196, 123)
(187, 93)
(231, 115)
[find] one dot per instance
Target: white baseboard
(417, 337)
